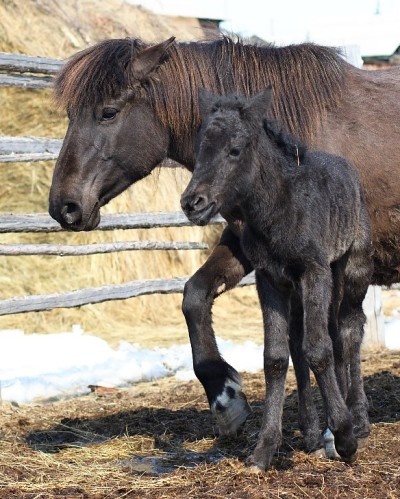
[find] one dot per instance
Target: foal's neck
(268, 196)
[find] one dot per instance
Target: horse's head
(222, 173)
(114, 137)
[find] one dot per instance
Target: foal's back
(321, 206)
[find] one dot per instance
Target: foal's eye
(235, 151)
(109, 113)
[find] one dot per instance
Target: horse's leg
(351, 321)
(275, 309)
(308, 415)
(316, 286)
(224, 268)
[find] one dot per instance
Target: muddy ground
(157, 439)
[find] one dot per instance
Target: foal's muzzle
(198, 207)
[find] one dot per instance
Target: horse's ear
(150, 58)
(206, 101)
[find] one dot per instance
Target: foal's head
(224, 153)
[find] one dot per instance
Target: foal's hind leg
(351, 322)
(308, 415)
(222, 271)
(316, 285)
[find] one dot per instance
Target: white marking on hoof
(230, 408)
(329, 443)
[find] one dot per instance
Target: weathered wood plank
(29, 64)
(30, 148)
(25, 81)
(96, 248)
(16, 149)
(41, 67)
(42, 222)
(37, 303)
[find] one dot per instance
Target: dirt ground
(157, 440)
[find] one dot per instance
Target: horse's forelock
(96, 74)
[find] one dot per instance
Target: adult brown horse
(131, 105)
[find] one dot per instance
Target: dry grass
(157, 439)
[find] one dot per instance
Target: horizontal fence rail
(41, 222)
(19, 149)
(14, 69)
(96, 248)
(39, 303)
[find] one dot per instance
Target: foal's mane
(307, 79)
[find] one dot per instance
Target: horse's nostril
(199, 202)
(71, 213)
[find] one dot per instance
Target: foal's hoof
(347, 448)
(253, 466)
(230, 409)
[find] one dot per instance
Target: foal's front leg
(275, 309)
(225, 267)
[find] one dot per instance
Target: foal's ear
(150, 58)
(260, 103)
(206, 101)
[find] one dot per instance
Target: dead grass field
(157, 440)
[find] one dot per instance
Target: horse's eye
(235, 151)
(109, 113)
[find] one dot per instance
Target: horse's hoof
(230, 409)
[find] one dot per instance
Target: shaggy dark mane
(307, 79)
(289, 145)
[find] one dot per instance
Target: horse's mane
(307, 79)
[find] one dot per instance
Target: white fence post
(374, 331)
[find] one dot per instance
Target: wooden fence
(37, 72)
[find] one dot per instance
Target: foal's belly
(279, 271)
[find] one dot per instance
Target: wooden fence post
(374, 331)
